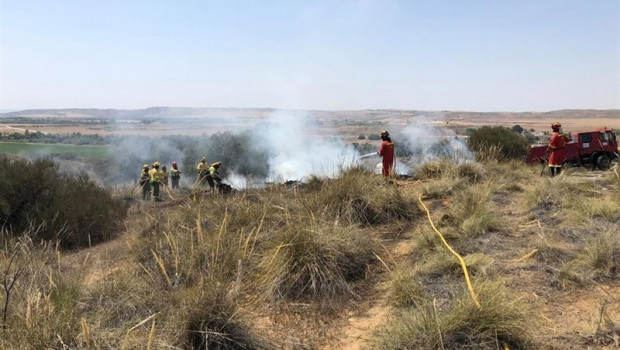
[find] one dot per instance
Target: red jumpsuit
(387, 152)
(558, 153)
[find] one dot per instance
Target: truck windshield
(604, 136)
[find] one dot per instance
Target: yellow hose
(461, 261)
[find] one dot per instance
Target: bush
(72, 210)
(504, 143)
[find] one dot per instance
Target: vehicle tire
(602, 162)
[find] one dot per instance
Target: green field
(85, 151)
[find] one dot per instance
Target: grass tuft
(502, 320)
(406, 288)
(314, 260)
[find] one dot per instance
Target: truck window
(604, 137)
(585, 138)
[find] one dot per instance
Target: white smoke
(298, 149)
(430, 142)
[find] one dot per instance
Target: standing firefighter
(175, 175)
(155, 181)
(387, 152)
(203, 170)
(556, 147)
(214, 175)
(144, 182)
(164, 175)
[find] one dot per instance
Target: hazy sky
(495, 55)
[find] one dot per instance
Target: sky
(494, 55)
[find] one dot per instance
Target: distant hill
(367, 114)
(146, 113)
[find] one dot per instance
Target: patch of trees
(36, 198)
(498, 142)
(75, 138)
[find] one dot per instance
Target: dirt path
(359, 327)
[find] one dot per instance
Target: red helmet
(556, 125)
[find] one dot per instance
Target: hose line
(461, 261)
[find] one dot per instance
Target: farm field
(347, 124)
(85, 151)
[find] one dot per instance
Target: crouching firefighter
(144, 182)
(155, 175)
(213, 176)
(557, 146)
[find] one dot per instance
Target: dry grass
(502, 319)
(443, 178)
(198, 272)
(406, 288)
(310, 260)
(472, 211)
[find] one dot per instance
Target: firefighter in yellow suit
(203, 170)
(155, 175)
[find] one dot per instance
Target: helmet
(216, 164)
(156, 165)
(145, 166)
(203, 159)
(384, 133)
(556, 125)
(174, 163)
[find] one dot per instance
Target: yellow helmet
(384, 133)
(156, 165)
(203, 159)
(145, 166)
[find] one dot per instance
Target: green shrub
(70, 209)
(503, 142)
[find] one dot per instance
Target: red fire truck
(590, 148)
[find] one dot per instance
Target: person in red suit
(387, 152)
(557, 146)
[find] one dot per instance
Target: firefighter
(556, 147)
(164, 175)
(175, 175)
(155, 175)
(144, 182)
(203, 170)
(214, 175)
(387, 152)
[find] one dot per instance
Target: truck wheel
(602, 162)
